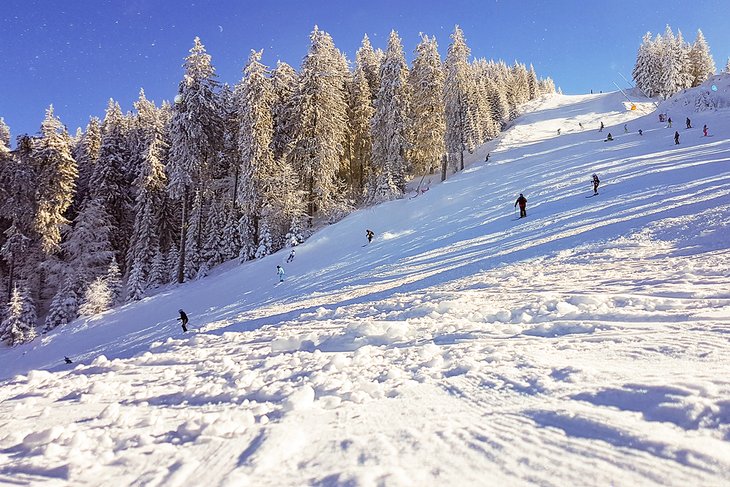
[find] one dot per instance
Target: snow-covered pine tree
(285, 204)
(369, 61)
(88, 250)
(193, 237)
(462, 121)
(702, 64)
(230, 234)
(427, 107)
(391, 125)
(150, 186)
(108, 185)
(255, 132)
(113, 280)
(97, 298)
(195, 133)
(14, 252)
(294, 236)
(360, 113)
(284, 83)
(158, 274)
(320, 130)
(18, 207)
(214, 246)
(532, 83)
(18, 325)
(684, 50)
(643, 72)
(488, 128)
(499, 107)
(64, 307)
(727, 66)
(670, 79)
(56, 177)
(86, 153)
(171, 263)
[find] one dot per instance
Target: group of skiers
(688, 123)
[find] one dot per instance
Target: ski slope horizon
(586, 344)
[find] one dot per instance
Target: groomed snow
(587, 344)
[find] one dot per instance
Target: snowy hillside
(584, 345)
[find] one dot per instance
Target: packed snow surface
(587, 344)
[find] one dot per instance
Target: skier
(641, 132)
(669, 120)
(601, 129)
(676, 138)
(689, 124)
(580, 125)
(183, 319)
(558, 131)
(369, 234)
(486, 159)
(704, 131)
(626, 129)
(67, 360)
(291, 256)
(280, 273)
(610, 137)
(522, 201)
(596, 182)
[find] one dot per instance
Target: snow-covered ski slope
(588, 344)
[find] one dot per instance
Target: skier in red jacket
(522, 201)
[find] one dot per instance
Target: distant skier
(704, 131)
(369, 234)
(641, 132)
(676, 138)
(291, 256)
(486, 159)
(183, 320)
(558, 131)
(669, 121)
(609, 138)
(596, 182)
(67, 360)
(601, 129)
(580, 125)
(522, 201)
(280, 273)
(689, 124)
(626, 129)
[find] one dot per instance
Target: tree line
(667, 64)
(164, 193)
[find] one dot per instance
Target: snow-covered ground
(588, 344)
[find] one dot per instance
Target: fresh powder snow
(586, 344)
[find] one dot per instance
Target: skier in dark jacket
(704, 131)
(183, 320)
(676, 138)
(522, 201)
(601, 129)
(689, 124)
(291, 256)
(369, 234)
(669, 121)
(596, 182)
(609, 138)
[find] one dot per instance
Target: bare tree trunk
(183, 225)
(444, 163)
(461, 155)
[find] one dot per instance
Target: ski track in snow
(585, 345)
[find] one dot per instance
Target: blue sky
(77, 54)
